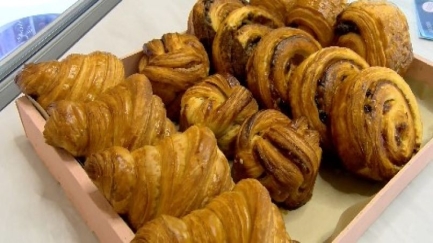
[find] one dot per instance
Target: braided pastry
(173, 64)
(179, 174)
(314, 83)
(316, 17)
(283, 155)
(278, 7)
(245, 214)
(375, 123)
(220, 103)
(237, 37)
(272, 63)
(207, 15)
(77, 77)
(127, 115)
(378, 31)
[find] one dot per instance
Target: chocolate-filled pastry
(272, 63)
(283, 154)
(278, 7)
(207, 15)
(317, 17)
(314, 84)
(179, 174)
(245, 214)
(78, 77)
(376, 124)
(173, 64)
(127, 115)
(237, 37)
(220, 103)
(378, 31)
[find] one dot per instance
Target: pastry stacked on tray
(274, 86)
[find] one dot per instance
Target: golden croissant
(220, 103)
(376, 124)
(272, 63)
(78, 77)
(283, 154)
(378, 31)
(280, 8)
(179, 174)
(245, 214)
(237, 37)
(312, 88)
(173, 64)
(127, 115)
(316, 17)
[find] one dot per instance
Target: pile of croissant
(276, 87)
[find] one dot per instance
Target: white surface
(33, 206)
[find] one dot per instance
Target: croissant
(376, 124)
(272, 63)
(179, 174)
(207, 15)
(220, 103)
(378, 31)
(127, 115)
(78, 77)
(278, 7)
(316, 17)
(284, 155)
(237, 37)
(245, 214)
(314, 83)
(174, 63)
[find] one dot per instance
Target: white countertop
(34, 207)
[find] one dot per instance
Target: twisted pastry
(376, 124)
(206, 17)
(378, 31)
(245, 214)
(283, 155)
(317, 17)
(278, 7)
(237, 37)
(272, 63)
(77, 77)
(179, 174)
(220, 103)
(173, 64)
(314, 84)
(126, 115)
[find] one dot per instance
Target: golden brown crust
(237, 37)
(317, 17)
(378, 31)
(78, 77)
(245, 214)
(275, 58)
(127, 115)
(280, 8)
(313, 86)
(220, 103)
(283, 155)
(179, 174)
(173, 64)
(376, 124)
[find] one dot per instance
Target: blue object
(424, 12)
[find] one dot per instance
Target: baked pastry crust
(173, 64)
(270, 67)
(245, 214)
(378, 31)
(376, 124)
(78, 77)
(179, 174)
(281, 8)
(127, 115)
(284, 155)
(220, 103)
